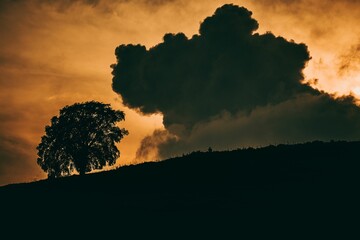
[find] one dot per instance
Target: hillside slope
(305, 181)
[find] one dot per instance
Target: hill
(308, 182)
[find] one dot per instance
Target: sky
(56, 53)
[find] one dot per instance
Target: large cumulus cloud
(230, 84)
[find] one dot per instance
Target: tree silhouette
(83, 137)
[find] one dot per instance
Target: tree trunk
(82, 161)
(82, 167)
(82, 171)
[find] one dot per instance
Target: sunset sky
(56, 53)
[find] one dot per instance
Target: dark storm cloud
(229, 87)
(148, 149)
(304, 118)
(226, 67)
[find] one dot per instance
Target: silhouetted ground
(314, 185)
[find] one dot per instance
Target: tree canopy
(81, 138)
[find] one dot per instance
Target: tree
(82, 138)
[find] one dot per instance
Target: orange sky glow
(56, 54)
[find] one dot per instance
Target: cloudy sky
(233, 84)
